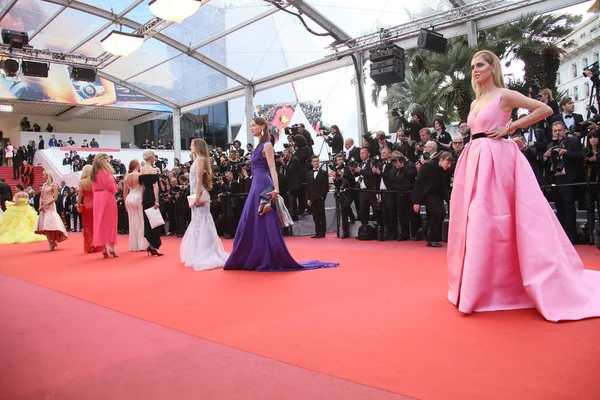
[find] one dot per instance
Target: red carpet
(381, 319)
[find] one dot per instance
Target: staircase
(38, 178)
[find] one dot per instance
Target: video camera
(291, 130)
(398, 111)
(584, 125)
(324, 132)
(593, 68)
(557, 163)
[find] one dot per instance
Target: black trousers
(293, 199)
(592, 201)
(151, 235)
(564, 201)
(76, 219)
(389, 215)
(436, 212)
(346, 199)
(366, 200)
(410, 221)
(17, 170)
(318, 213)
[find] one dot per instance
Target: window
(568, 93)
(574, 67)
(575, 93)
(585, 62)
(558, 78)
(586, 88)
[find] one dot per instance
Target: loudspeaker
(432, 41)
(30, 68)
(83, 74)
(387, 65)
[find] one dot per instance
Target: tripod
(594, 94)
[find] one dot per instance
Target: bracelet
(509, 127)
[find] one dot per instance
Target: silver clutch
(285, 219)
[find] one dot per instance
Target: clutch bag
(192, 198)
(264, 195)
(154, 217)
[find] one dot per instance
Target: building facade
(570, 79)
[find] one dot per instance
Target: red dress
(105, 209)
(87, 220)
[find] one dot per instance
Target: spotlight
(83, 74)
(6, 108)
(15, 39)
(10, 67)
(30, 68)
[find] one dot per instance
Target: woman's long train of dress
(258, 243)
(201, 247)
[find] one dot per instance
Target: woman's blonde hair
(86, 172)
(101, 162)
(201, 151)
(147, 154)
(492, 59)
(49, 176)
(547, 93)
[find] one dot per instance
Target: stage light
(6, 108)
(10, 67)
(83, 74)
(15, 39)
(174, 10)
(30, 68)
(121, 43)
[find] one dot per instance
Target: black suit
(41, 144)
(293, 173)
(388, 200)
(577, 119)
(5, 194)
(366, 199)
(564, 196)
(431, 188)
(354, 155)
(316, 191)
(404, 182)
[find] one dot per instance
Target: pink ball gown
(105, 209)
(506, 248)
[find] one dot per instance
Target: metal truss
(455, 16)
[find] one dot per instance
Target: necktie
(568, 116)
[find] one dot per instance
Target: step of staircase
(38, 178)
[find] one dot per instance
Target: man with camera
(292, 172)
(309, 140)
(236, 146)
(413, 126)
(431, 189)
(334, 139)
(404, 174)
(405, 145)
(365, 180)
(352, 152)
(565, 159)
(383, 169)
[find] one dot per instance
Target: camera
(584, 125)
(291, 130)
(557, 163)
(593, 68)
(426, 155)
(398, 111)
(324, 132)
(587, 152)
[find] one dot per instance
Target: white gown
(137, 242)
(201, 247)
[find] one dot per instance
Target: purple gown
(258, 243)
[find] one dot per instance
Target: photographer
(530, 154)
(365, 180)
(301, 130)
(292, 172)
(431, 189)
(404, 175)
(442, 137)
(591, 165)
(343, 180)
(416, 123)
(405, 145)
(565, 160)
(236, 146)
(384, 169)
(231, 210)
(352, 152)
(371, 144)
(382, 141)
(465, 132)
(334, 139)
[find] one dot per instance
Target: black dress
(148, 200)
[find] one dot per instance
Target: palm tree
(532, 39)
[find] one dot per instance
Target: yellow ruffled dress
(17, 223)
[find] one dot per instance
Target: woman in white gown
(132, 194)
(201, 247)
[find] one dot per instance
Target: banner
(280, 115)
(59, 88)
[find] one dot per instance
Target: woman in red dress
(85, 205)
(105, 205)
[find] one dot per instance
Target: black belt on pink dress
(482, 135)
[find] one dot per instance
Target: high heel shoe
(153, 251)
(112, 251)
(105, 252)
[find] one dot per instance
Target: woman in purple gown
(258, 243)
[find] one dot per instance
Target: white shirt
(568, 121)
(349, 151)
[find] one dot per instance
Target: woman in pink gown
(496, 207)
(49, 222)
(85, 203)
(105, 205)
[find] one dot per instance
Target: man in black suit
(336, 141)
(365, 179)
(5, 193)
(567, 116)
(292, 172)
(41, 143)
(309, 140)
(237, 146)
(431, 189)
(352, 152)
(18, 162)
(566, 164)
(388, 200)
(404, 174)
(316, 193)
